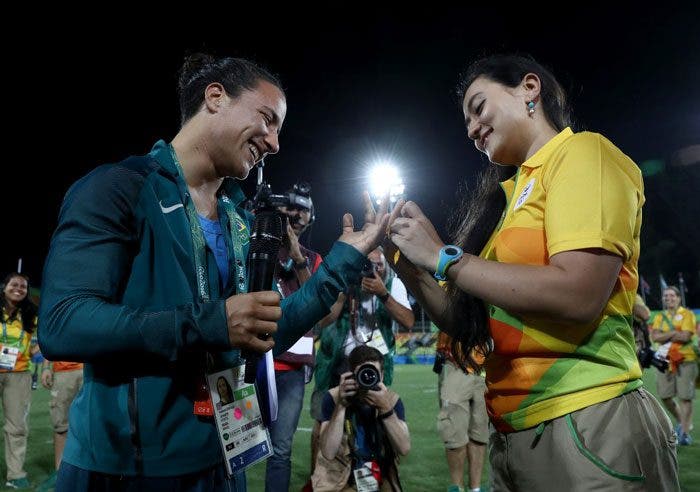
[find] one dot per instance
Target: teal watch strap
(449, 254)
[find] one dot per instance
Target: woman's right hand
(414, 235)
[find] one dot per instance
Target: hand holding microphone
(251, 317)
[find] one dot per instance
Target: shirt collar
(539, 157)
(161, 153)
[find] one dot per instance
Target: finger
(290, 231)
(411, 209)
(398, 240)
(370, 214)
(260, 346)
(384, 205)
(381, 227)
(267, 297)
(396, 212)
(261, 327)
(348, 224)
(399, 224)
(268, 313)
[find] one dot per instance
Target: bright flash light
(384, 178)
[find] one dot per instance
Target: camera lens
(367, 269)
(368, 376)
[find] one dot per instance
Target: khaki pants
(66, 385)
(462, 417)
(16, 391)
(680, 383)
(608, 446)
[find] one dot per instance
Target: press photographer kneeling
(363, 430)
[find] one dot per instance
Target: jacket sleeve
(82, 317)
(305, 307)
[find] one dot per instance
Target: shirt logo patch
(524, 194)
(171, 208)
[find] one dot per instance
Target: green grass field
(422, 471)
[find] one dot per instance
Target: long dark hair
(200, 69)
(26, 307)
(480, 211)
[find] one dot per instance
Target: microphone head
(267, 233)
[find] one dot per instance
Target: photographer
(462, 422)
(363, 429)
(673, 328)
(293, 368)
(367, 314)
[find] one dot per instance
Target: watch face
(451, 250)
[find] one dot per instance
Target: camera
(298, 197)
(440, 359)
(368, 377)
(648, 357)
(368, 269)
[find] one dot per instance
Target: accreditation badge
(8, 357)
(243, 437)
(366, 477)
(378, 342)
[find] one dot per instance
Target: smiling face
(16, 290)
(497, 120)
(246, 128)
(671, 299)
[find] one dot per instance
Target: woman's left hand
(374, 230)
(416, 237)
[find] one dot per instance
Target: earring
(531, 108)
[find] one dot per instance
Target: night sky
(360, 83)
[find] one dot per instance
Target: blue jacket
(119, 293)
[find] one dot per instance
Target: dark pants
(290, 397)
(74, 479)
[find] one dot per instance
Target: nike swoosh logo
(167, 210)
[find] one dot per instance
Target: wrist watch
(449, 255)
(303, 264)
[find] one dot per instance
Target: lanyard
(4, 335)
(236, 227)
(668, 321)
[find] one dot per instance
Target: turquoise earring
(531, 108)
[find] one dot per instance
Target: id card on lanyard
(8, 353)
(366, 477)
(243, 437)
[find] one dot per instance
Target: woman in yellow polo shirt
(549, 273)
(674, 328)
(18, 326)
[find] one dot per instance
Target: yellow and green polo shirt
(12, 335)
(681, 320)
(578, 191)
